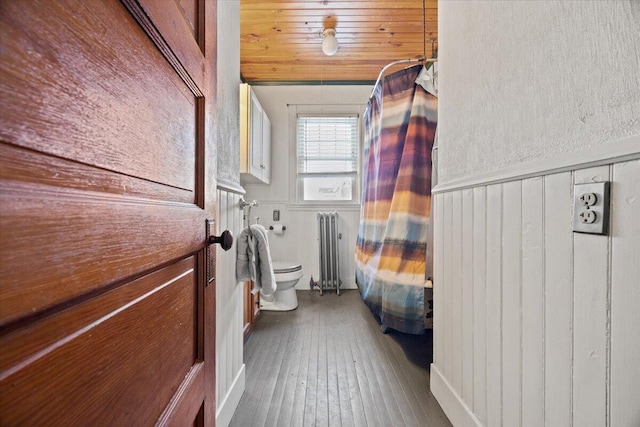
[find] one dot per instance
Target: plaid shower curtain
(400, 125)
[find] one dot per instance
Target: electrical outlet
(276, 215)
(588, 199)
(591, 208)
(588, 217)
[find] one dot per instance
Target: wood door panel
(107, 173)
(81, 249)
(186, 405)
(102, 364)
(191, 11)
(105, 103)
(169, 18)
(26, 341)
(22, 165)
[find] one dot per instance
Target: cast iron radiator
(329, 253)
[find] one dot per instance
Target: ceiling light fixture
(329, 42)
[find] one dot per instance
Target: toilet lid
(286, 267)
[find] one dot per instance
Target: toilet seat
(285, 267)
(286, 271)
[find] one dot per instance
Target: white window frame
(296, 190)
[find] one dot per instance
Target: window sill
(323, 206)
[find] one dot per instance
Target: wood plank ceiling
(280, 41)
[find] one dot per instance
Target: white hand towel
(245, 264)
(253, 260)
(265, 277)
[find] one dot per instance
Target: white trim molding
(458, 413)
(621, 150)
(229, 186)
(232, 400)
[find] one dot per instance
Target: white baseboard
(459, 414)
(230, 402)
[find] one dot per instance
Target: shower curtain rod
(399, 61)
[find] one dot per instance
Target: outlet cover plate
(600, 208)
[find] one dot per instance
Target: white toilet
(284, 299)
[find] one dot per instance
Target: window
(327, 157)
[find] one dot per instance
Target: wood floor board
(269, 399)
(298, 366)
(259, 363)
(310, 402)
(322, 379)
(298, 406)
(328, 364)
(366, 382)
(412, 376)
(388, 373)
(351, 403)
(381, 394)
(400, 383)
(289, 363)
(335, 387)
(354, 396)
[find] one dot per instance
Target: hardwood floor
(328, 364)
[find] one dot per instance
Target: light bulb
(329, 42)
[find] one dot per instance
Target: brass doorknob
(225, 240)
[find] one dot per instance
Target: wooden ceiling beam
(277, 43)
(259, 16)
(373, 50)
(368, 27)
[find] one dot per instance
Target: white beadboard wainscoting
(536, 325)
(230, 368)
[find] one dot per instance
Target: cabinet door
(266, 149)
(251, 308)
(247, 312)
(255, 146)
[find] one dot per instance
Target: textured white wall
(274, 100)
(228, 92)
(299, 242)
(532, 321)
(522, 81)
(230, 383)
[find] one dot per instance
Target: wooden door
(105, 142)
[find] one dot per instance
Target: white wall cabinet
(255, 138)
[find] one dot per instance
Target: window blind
(327, 144)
